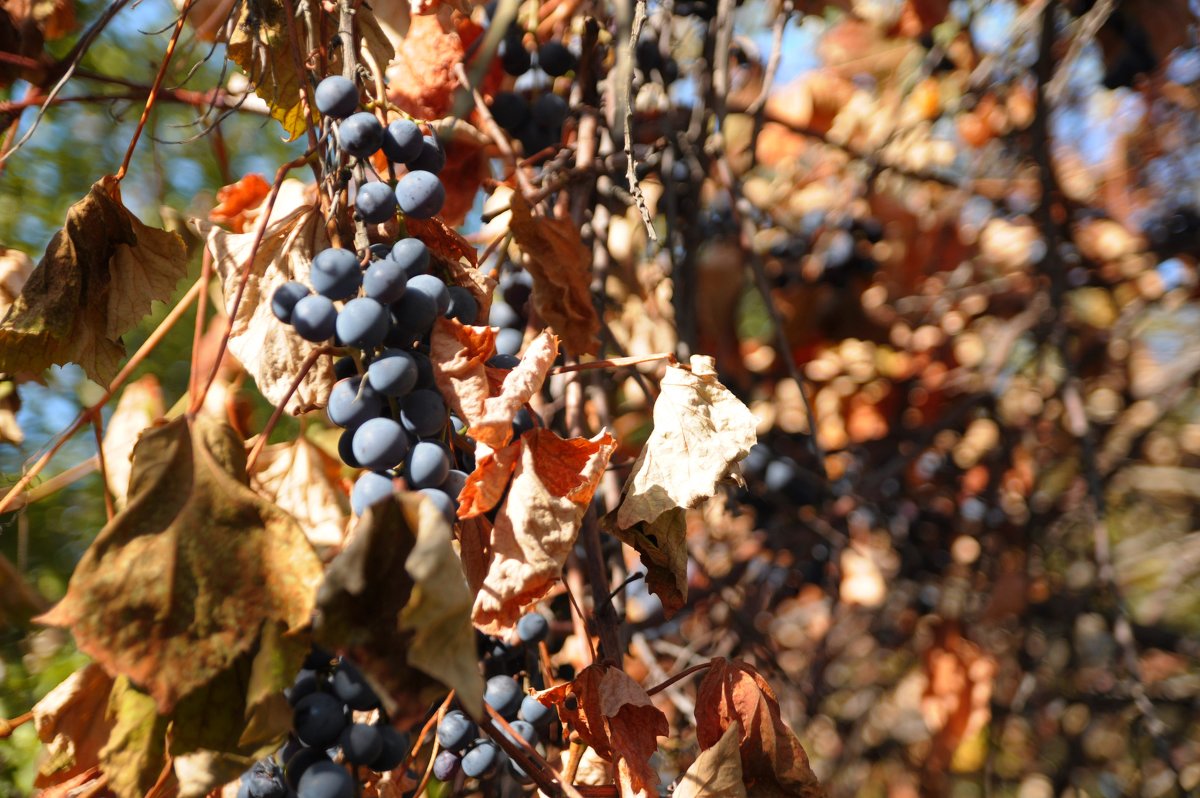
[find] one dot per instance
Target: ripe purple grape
(509, 341)
(453, 484)
(502, 314)
(385, 281)
(516, 287)
(380, 444)
(447, 506)
(395, 749)
(503, 361)
(335, 273)
(423, 413)
(427, 465)
(433, 288)
(463, 307)
(394, 373)
(445, 765)
(549, 111)
(369, 489)
(325, 780)
(315, 318)
(351, 686)
(534, 711)
(375, 202)
(555, 59)
(360, 135)
(510, 110)
(346, 449)
(402, 141)
(456, 731)
(420, 194)
(432, 157)
(504, 695)
(336, 96)
(299, 763)
(533, 628)
(412, 255)
(347, 408)
(414, 313)
(514, 58)
(482, 760)
(284, 300)
(360, 743)
(318, 720)
(363, 323)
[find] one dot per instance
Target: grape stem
(615, 362)
(533, 763)
(277, 413)
(7, 726)
(434, 719)
(658, 688)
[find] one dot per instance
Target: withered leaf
(303, 480)
(774, 763)
(15, 268)
(396, 600)
(141, 403)
(700, 431)
(485, 485)
(96, 281)
(663, 546)
(235, 199)
(271, 352)
(459, 353)
(561, 267)
(717, 772)
(72, 722)
(494, 425)
(179, 583)
(613, 714)
(136, 751)
(537, 524)
(421, 80)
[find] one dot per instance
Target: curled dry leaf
(396, 600)
(141, 404)
(459, 353)
(271, 352)
(421, 79)
(613, 714)
(485, 485)
(561, 267)
(72, 722)
(717, 772)
(136, 751)
(235, 199)
(662, 544)
(235, 561)
(494, 426)
(774, 763)
(96, 281)
(15, 268)
(552, 484)
(304, 481)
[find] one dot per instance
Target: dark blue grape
(518, 773)
(402, 141)
(299, 763)
(524, 421)
(510, 110)
(336, 96)
(346, 448)
(385, 281)
(423, 413)
(318, 659)
(335, 273)
(347, 408)
(445, 504)
(431, 159)
(555, 59)
(549, 111)
(453, 484)
(344, 367)
(504, 695)
(424, 370)
(456, 731)
(533, 628)
(754, 464)
(525, 731)
(380, 444)
(325, 780)
(351, 686)
(264, 779)
(375, 202)
(535, 712)
(284, 300)
(503, 361)
(361, 743)
(502, 315)
(412, 255)
(514, 58)
(780, 474)
(535, 137)
(394, 373)
(509, 341)
(648, 54)
(369, 489)
(413, 315)
(482, 760)
(394, 751)
(379, 251)
(318, 720)
(463, 307)
(427, 466)
(363, 323)
(360, 135)
(305, 684)
(420, 194)
(516, 288)
(445, 765)
(315, 318)
(434, 288)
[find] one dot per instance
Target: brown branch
(627, 101)
(658, 688)
(518, 748)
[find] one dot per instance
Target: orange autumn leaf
(493, 426)
(421, 79)
(235, 199)
(459, 353)
(614, 715)
(773, 761)
(465, 170)
(485, 485)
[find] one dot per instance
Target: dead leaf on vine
(421, 79)
(304, 482)
(662, 543)
(562, 271)
(271, 352)
(136, 751)
(701, 430)
(15, 268)
(96, 282)
(235, 199)
(459, 353)
(72, 722)
(141, 404)
(395, 599)
(235, 561)
(494, 425)
(613, 714)
(717, 772)
(26, 25)
(535, 529)
(485, 485)
(773, 761)
(89, 784)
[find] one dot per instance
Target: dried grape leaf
(71, 720)
(140, 405)
(717, 772)
(459, 353)
(303, 481)
(494, 425)
(662, 543)
(136, 751)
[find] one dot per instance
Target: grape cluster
(328, 744)
(531, 111)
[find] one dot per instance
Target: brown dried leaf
(562, 270)
(485, 485)
(19, 601)
(271, 352)
(235, 199)
(15, 268)
(457, 256)
(234, 561)
(89, 784)
(701, 431)
(663, 546)
(459, 354)
(494, 426)
(536, 526)
(71, 721)
(421, 79)
(717, 772)
(773, 761)
(96, 281)
(613, 714)
(304, 482)
(141, 404)
(136, 751)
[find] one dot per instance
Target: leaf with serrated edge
(141, 403)
(96, 281)
(272, 352)
(72, 722)
(494, 426)
(178, 584)
(701, 431)
(717, 772)
(303, 480)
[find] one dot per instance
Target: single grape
(524, 421)
(423, 413)
(412, 255)
(510, 110)
(447, 505)
(535, 137)
(413, 315)
(424, 370)
(264, 779)
(318, 659)
(456, 731)
(463, 307)
(555, 59)
(534, 711)
(445, 765)
(379, 251)
(336, 96)
(503, 361)
(518, 773)
(305, 684)
(502, 315)
(453, 484)
(504, 695)
(360, 135)
(299, 763)
(284, 300)
(335, 273)
(394, 373)
(375, 202)
(514, 58)
(427, 466)
(385, 281)
(524, 730)
(346, 448)
(402, 141)
(649, 56)
(380, 444)
(315, 318)
(347, 408)
(754, 464)
(432, 157)
(533, 628)
(420, 194)
(369, 489)
(433, 288)
(516, 288)
(325, 780)
(361, 743)
(351, 686)
(549, 111)
(509, 341)
(780, 474)
(345, 367)
(482, 760)
(669, 70)
(363, 323)
(394, 751)
(318, 720)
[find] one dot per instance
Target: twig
(614, 362)
(7, 726)
(626, 72)
(492, 128)
(658, 688)
(607, 623)
(517, 747)
(434, 719)
(98, 428)
(206, 264)
(305, 367)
